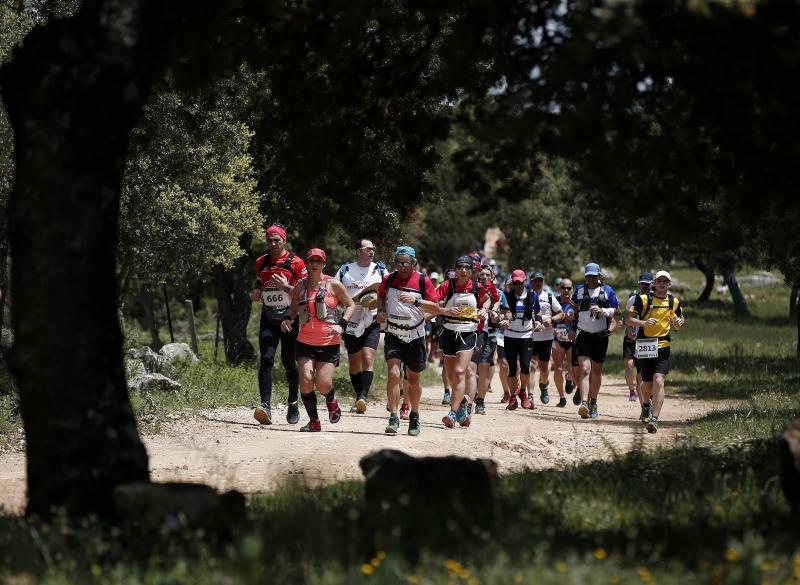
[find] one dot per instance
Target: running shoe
(562, 402)
(645, 416)
(413, 424)
(593, 410)
(543, 395)
(526, 401)
(404, 410)
(489, 388)
(632, 397)
(313, 426)
(505, 398)
(334, 412)
(584, 409)
(480, 407)
(652, 425)
(576, 398)
(394, 425)
(512, 403)
(461, 413)
(263, 414)
(446, 397)
(466, 422)
(293, 413)
(361, 406)
(569, 386)
(449, 419)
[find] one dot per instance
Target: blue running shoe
(446, 397)
(461, 413)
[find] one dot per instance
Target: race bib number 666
(646, 348)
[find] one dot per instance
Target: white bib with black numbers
(646, 348)
(275, 299)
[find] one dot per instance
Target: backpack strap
(391, 278)
(421, 284)
(451, 289)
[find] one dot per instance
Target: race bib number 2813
(646, 348)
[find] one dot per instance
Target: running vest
(467, 301)
(547, 333)
(322, 311)
(524, 328)
(404, 321)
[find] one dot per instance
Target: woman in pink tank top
(316, 300)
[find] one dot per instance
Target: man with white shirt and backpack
(542, 341)
(595, 305)
(363, 332)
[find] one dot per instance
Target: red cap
(278, 230)
(317, 252)
(518, 276)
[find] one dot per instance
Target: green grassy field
(711, 511)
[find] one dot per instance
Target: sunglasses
(463, 267)
(397, 263)
(566, 288)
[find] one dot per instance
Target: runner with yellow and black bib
(655, 313)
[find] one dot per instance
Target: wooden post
(216, 337)
(169, 315)
(192, 328)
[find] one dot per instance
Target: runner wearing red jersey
(403, 299)
(470, 300)
(276, 274)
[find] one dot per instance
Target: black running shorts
(454, 342)
(591, 345)
(370, 338)
(319, 353)
(411, 354)
(657, 365)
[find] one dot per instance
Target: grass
(668, 516)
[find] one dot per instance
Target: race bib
(646, 348)
(274, 298)
(562, 334)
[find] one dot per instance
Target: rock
(135, 368)
(178, 352)
(153, 383)
(150, 507)
(151, 360)
(433, 503)
(790, 467)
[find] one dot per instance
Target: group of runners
(471, 315)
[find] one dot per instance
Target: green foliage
(189, 189)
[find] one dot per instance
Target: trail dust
(226, 448)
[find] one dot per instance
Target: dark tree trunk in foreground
(231, 287)
(709, 274)
(72, 96)
(3, 268)
(793, 302)
(728, 268)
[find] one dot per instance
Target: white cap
(434, 275)
(661, 273)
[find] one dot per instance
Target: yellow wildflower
(380, 555)
(600, 554)
(367, 569)
(732, 555)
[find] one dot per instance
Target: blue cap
(405, 251)
(591, 269)
(537, 274)
(646, 277)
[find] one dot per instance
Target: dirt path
(226, 448)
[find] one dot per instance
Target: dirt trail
(228, 449)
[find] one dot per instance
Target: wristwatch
(416, 302)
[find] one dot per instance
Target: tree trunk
(72, 96)
(231, 287)
(709, 274)
(728, 269)
(793, 302)
(3, 269)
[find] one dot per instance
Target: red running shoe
(313, 426)
(512, 403)
(526, 402)
(334, 412)
(404, 410)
